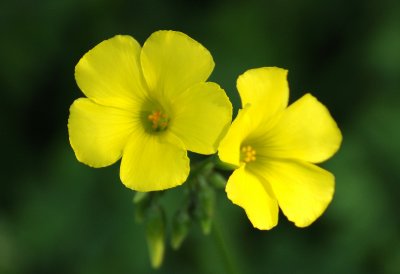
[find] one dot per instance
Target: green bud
(207, 216)
(155, 235)
(205, 206)
(140, 197)
(217, 180)
(180, 228)
(142, 205)
(140, 212)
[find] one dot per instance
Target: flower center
(159, 120)
(247, 154)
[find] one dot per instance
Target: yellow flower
(274, 147)
(149, 106)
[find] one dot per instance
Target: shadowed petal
(229, 148)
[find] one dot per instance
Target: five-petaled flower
(275, 148)
(149, 106)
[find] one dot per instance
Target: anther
(248, 154)
(159, 120)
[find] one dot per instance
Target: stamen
(248, 154)
(159, 120)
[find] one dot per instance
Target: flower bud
(206, 204)
(180, 228)
(155, 234)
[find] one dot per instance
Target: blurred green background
(60, 216)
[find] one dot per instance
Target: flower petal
(246, 190)
(172, 62)
(153, 162)
(229, 148)
(98, 133)
(110, 73)
(266, 88)
(201, 117)
(245, 129)
(306, 131)
(303, 190)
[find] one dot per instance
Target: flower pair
(151, 105)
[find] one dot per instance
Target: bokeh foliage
(59, 216)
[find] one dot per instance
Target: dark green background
(60, 216)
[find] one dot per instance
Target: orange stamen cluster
(248, 154)
(159, 120)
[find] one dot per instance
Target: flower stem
(230, 268)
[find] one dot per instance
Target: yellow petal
(303, 190)
(172, 62)
(306, 131)
(264, 88)
(246, 127)
(247, 191)
(153, 162)
(201, 117)
(229, 148)
(110, 73)
(97, 133)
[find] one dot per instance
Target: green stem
(219, 241)
(197, 167)
(223, 166)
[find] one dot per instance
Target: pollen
(248, 154)
(159, 120)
